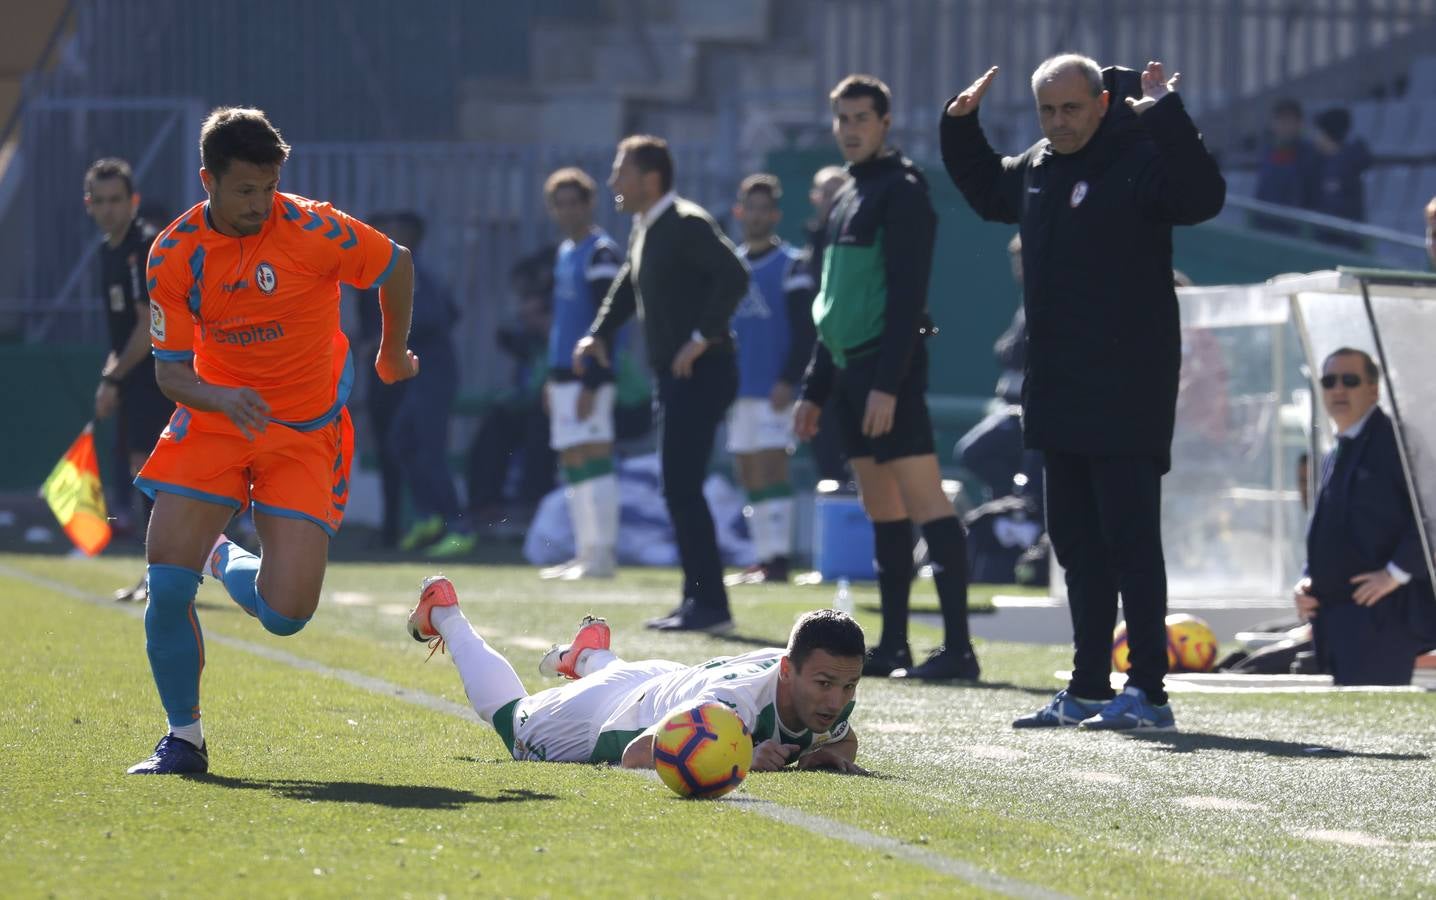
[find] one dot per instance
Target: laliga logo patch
(1079, 193)
(157, 321)
(264, 277)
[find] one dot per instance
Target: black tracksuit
(1104, 350)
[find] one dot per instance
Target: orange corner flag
(74, 494)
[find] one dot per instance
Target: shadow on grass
(394, 796)
(1191, 741)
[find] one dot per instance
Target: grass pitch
(325, 782)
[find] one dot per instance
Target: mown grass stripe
(817, 825)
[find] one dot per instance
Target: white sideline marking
(817, 825)
(1096, 777)
(1225, 804)
(1362, 839)
(1230, 683)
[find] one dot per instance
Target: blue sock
(239, 571)
(274, 622)
(174, 642)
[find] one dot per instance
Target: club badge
(264, 278)
(1079, 193)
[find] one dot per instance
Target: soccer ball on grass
(1191, 645)
(703, 751)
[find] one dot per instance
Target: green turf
(322, 788)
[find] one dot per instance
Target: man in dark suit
(684, 280)
(1367, 589)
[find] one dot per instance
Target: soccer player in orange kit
(244, 319)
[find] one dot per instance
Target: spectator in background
(1290, 169)
(992, 449)
(1343, 159)
(513, 436)
(826, 448)
(418, 436)
(381, 401)
(1431, 231)
(1367, 589)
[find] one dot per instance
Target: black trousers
(382, 401)
(1104, 520)
(688, 412)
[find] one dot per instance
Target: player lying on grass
(795, 701)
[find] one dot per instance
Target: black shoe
(695, 618)
(880, 661)
(944, 665)
(673, 613)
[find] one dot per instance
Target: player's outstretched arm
(839, 756)
(395, 361)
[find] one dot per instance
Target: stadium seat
(1393, 137)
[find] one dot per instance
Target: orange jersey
(262, 311)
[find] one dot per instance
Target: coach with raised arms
(1096, 200)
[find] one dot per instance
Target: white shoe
(594, 564)
(559, 570)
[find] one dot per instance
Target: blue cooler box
(842, 538)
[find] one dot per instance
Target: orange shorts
(283, 472)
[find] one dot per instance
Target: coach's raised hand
(967, 101)
(1155, 86)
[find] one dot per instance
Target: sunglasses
(1348, 379)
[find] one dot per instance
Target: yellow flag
(75, 497)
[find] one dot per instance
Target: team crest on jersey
(1079, 193)
(264, 278)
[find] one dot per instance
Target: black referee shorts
(144, 411)
(911, 434)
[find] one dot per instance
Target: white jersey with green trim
(748, 684)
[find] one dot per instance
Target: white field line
(817, 825)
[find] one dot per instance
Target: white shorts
(565, 428)
(753, 425)
(562, 724)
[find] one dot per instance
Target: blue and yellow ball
(1191, 645)
(703, 752)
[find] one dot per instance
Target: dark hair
(1286, 106)
(239, 133)
(650, 154)
(855, 86)
(110, 167)
(1335, 123)
(825, 629)
(762, 183)
(1373, 371)
(569, 177)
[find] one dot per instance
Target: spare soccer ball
(1191, 645)
(704, 751)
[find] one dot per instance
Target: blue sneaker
(1065, 711)
(174, 756)
(1131, 711)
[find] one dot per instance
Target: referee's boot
(880, 661)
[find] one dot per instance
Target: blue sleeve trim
(393, 258)
(294, 514)
(150, 487)
(173, 355)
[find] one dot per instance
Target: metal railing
(1395, 249)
